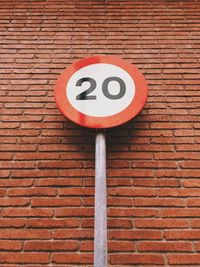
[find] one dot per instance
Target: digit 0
(105, 88)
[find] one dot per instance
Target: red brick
(58, 182)
(16, 223)
(14, 202)
(130, 155)
(19, 132)
(6, 245)
(12, 99)
(51, 246)
(60, 165)
(118, 182)
(73, 234)
(16, 182)
(24, 234)
(161, 223)
(164, 246)
(87, 245)
(77, 173)
(154, 165)
(179, 213)
(9, 140)
(21, 258)
(120, 202)
(40, 125)
(76, 191)
(122, 246)
(36, 156)
(159, 202)
(10, 125)
(135, 235)
(75, 155)
(121, 212)
(53, 223)
(54, 202)
(182, 235)
(72, 258)
(3, 192)
(74, 212)
(12, 147)
(177, 192)
(120, 223)
(58, 147)
(124, 191)
(130, 173)
(34, 173)
(152, 148)
(193, 202)
(177, 155)
(127, 259)
(32, 192)
(190, 165)
(27, 212)
(184, 259)
(6, 156)
(88, 201)
(191, 183)
(40, 140)
(178, 174)
(4, 173)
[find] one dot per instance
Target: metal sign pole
(100, 237)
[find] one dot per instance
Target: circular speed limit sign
(101, 92)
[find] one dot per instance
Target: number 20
(87, 96)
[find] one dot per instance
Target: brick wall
(47, 162)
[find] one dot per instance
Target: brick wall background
(47, 162)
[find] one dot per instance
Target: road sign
(101, 92)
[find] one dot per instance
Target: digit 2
(85, 95)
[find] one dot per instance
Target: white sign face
(100, 90)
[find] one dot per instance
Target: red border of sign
(127, 114)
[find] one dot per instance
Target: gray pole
(100, 237)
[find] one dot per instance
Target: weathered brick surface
(47, 162)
